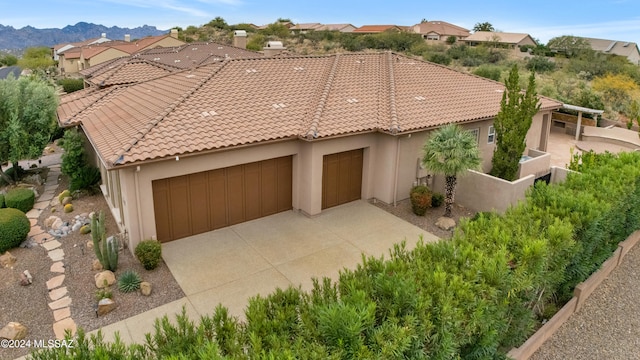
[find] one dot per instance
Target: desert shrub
(489, 71)
(540, 64)
(149, 253)
(129, 281)
(74, 158)
(437, 199)
(21, 199)
(14, 227)
(70, 85)
(104, 293)
(2, 205)
(87, 178)
(471, 62)
(420, 197)
(438, 58)
(452, 39)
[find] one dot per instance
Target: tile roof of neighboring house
(247, 101)
(305, 26)
(622, 48)
(335, 27)
(156, 62)
(132, 47)
(78, 44)
(369, 29)
(502, 37)
(441, 28)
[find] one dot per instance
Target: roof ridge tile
(312, 131)
(394, 127)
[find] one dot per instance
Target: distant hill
(28, 36)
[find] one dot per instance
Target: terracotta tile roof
(503, 37)
(194, 54)
(369, 29)
(441, 28)
(245, 101)
(335, 27)
(305, 26)
(105, 66)
(132, 71)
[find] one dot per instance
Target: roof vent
(176, 60)
(249, 71)
(352, 100)
(625, 44)
(275, 45)
(298, 68)
(360, 61)
(220, 47)
(190, 76)
(420, 98)
(279, 106)
(613, 43)
(156, 59)
(194, 49)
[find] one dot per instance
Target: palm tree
(451, 151)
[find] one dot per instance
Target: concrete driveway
(230, 265)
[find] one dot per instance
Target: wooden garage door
(341, 178)
(196, 203)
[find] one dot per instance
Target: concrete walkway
(232, 264)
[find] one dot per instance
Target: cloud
(613, 30)
(170, 5)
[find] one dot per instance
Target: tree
(27, 119)
(36, 58)
(569, 45)
(485, 26)
(8, 60)
(218, 23)
(451, 151)
(512, 124)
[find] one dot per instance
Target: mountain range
(28, 36)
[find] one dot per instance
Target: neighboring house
(60, 48)
(376, 29)
(240, 139)
(622, 48)
(77, 59)
(153, 63)
(440, 31)
(304, 28)
(500, 39)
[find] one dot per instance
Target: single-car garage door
(196, 203)
(341, 178)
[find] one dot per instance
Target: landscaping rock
(103, 276)
(105, 306)
(145, 288)
(76, 226)
(90, 244)
(445, 223)
(66, 200)
(26, 278)
(7, 260)
(57, 224)
(50, 220)
(96, 266)
(13, 331)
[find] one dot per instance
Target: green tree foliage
(512, 124)
(36, 58)
(256, 42)
(8, 60)
(489, 71)
(451, 151)
(617, 90)
(27, 119)
(277, 29)
(483, 26)
(540, 64)
(570, 46)
(218, 23)
(74, 157)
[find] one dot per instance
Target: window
(491, 138)
(475, 133)
(433, 37)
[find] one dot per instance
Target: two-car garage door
(200, 202)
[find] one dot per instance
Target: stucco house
(622, 48)
(212, 146)
(501, 39)
(60, 48)
(440, 31)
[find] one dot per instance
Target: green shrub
(2, 205)
(21, 199)
(86, 179)
(540, 64)
(489, 71)
(149, 253)
(14, 227)
(104, 293)
(437, 199)
(442, 59)
(129, 281)
(70, 85)
(73, 158)
(420, 197)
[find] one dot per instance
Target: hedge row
(473, 297)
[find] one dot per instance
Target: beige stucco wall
(106, 55)
(70, 66)
(411, 151)
(539, 165)
(166, 42)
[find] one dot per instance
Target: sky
(542, 19)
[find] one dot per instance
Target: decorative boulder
(445, 223)
(7, 260)
(66, 200)
(105, 306)
(145, 288)
(96, 266)
(104, 276)
(13, 331)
